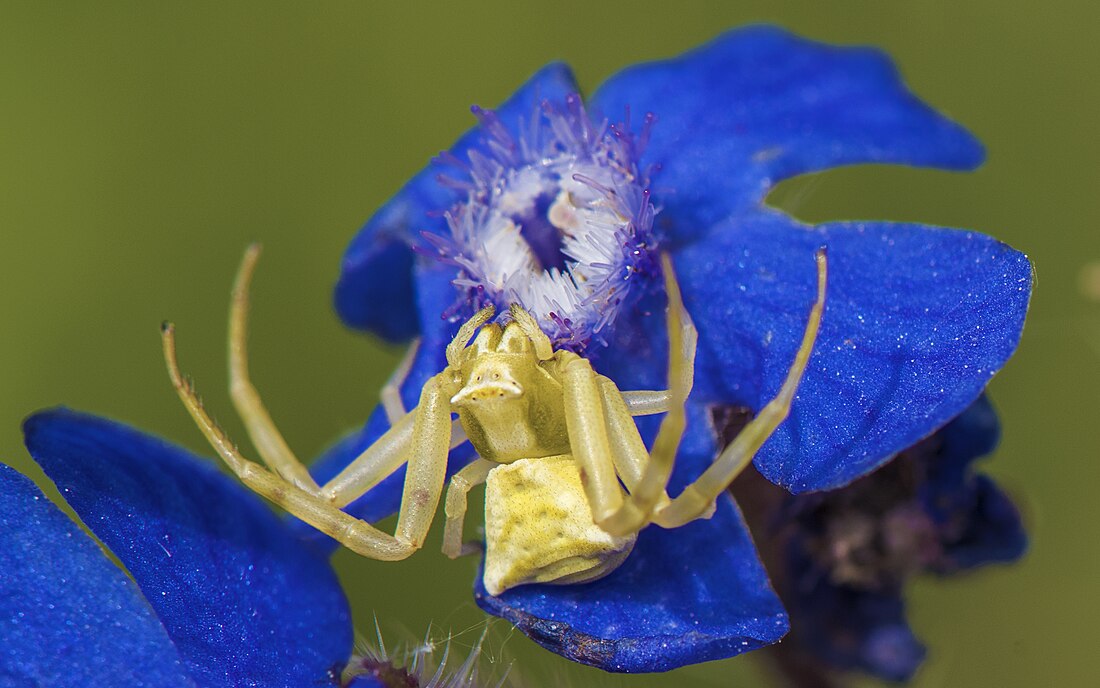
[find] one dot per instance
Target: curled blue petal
(973, 433)
(994, 531)
(978, 523)
(70, 616)
(758, 105)
(375, 291)
(917, 319)
(244, 602)
(687, 595)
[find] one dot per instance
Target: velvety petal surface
(70, 616)
(375, 291)
(686, 595)
(917, 319)
(758, 105)
(244, 602)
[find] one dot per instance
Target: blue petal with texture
(70, 616)
(687, 595)
(243, 601)
(375, 291)
(758, 105)
(917, 319)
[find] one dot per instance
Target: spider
(556, 441)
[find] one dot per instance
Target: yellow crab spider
(556, 442)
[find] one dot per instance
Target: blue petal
(687, 595)
(244, 602)
(859, 629)
(846, 627)
(758, 105)
(994, 531)
(978, 523)
(375, 291)
(916, 321)
(435, 295)
(70, 616)
(972, 434)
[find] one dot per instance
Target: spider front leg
(646, 475)
(269, 442)
(391, 391)
(423, 436)
(356, 535)
(699, 497)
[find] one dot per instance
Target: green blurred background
(145, 144)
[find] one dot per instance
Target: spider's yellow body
(569, 482)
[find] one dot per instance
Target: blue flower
(222, 593)
(841, 559)
(563, 204)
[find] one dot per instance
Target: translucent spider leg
(391, 392)
(627, 450)
(269, 442)
(381, 459)
(426, 471)
(699, 497)
(588, 437)
(631, 458)
(455, 505)
(646, 402)
(354, 534)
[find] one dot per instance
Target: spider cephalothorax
(569, 482)
(510, 403)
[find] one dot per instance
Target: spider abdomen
(539, 528)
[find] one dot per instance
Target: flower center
(557, 219)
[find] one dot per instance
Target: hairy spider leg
(699, 497)
(376, 463)
(423, 436)
(269, 442)
(455, 505)
(603, 436)
(354, 534)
